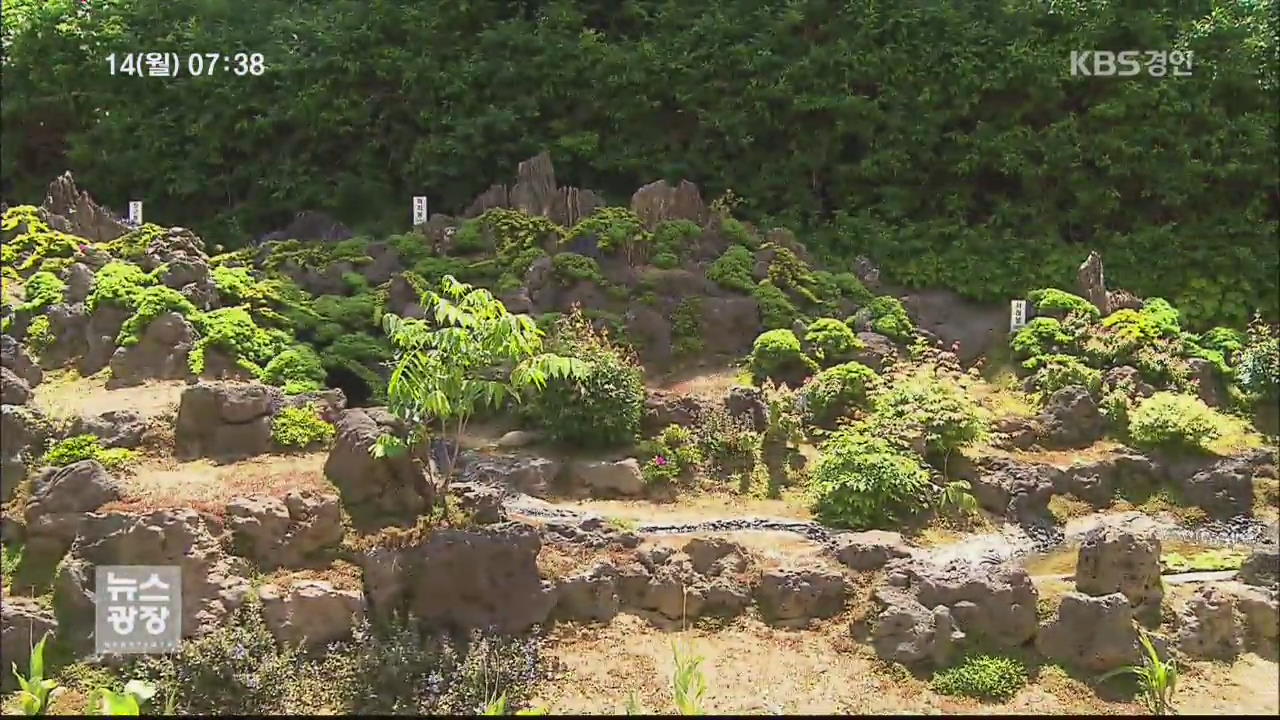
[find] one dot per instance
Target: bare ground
(65, 394)
(753, 668)
(164, 482)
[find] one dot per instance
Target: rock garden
(556, 454)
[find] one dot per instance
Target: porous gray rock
(68, 209)
(79, 280)
(1127, 379)
(462, 579)
(285, 532)
(728, 325)
(904, 631)
(481, 504)
(663, 408)
(1207, 627)
(310, 225)
(1094, 633)
(1262, 567)
(310, 613)
(1121, 559)
(974, 328)
(114, 428)
(877, 352)
(869, 550)
(100, 333)
(13, 389)
(588, 596)
(1012, 488)
(22, 624)
(1209, 383)
(789, 596)
(68, 325)
(749, 403)
(211, 587)
(14, 356)
(23, 433)
(1091, 283)
(1224, 489)
(659, 201)
(528, 474)
(518, 439)
(1071, 419)
(384, 490)
(608, 477)
(225, 421)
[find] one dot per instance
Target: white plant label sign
(135, 212)
(1017, 315)
(419, 210)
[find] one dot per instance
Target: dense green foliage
(89, 447)
(835, 391)
(1172, 420)
(987, 677)
(863, 482)
(727, 443)
(948, 141)
(831, 341)
(600, 406)
(732, 270)
(297, 370)
(928, 412)
(887, 316)
(776, 355)
(300, 428)
(1052, 301)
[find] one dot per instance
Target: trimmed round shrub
(89, 447)
(987, 677)
(831, 341)
(300, 428)
(776, 309)
(1172, 420)
(928, 412)
(862, 482)
(887, 316)
(297, 369)
(835, 391)
(733, 270)
(776, 355)
(1054, 372)
(1040, 336)
(1052, 301)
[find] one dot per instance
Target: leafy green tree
(469, 354)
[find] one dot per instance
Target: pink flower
(84, 248)
(660, 461)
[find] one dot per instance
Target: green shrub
(603, 408)
(831, 341)
(1225, 340)
(1171, 420)
(727, 443)
(776, 355)
(152, 302)
(686, 327)
(40, 333)
(1041, 336)
(660, 469)
(887, 316)
(1051, 301)
(297, 369)
(301, 427)
(738, 234)
(1259, 365)
(837, 390)
(1054, 372)
(734, 269)
(40, 291)
(233, 331)
(89, 447)
(861, 482)
(776, 309)
(617, 229)
(924, 409)
(119, 283)
(570, 267)
(673, 239)
(982, 676)
(354, 312)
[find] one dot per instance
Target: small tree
(469, 354)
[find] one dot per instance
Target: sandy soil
(164, 482)
(694, 506)
(753, 668)
(65, 394)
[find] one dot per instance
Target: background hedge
(947, 140)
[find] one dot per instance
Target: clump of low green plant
(297, 370)
(301, 427)
(1259, 364)
(776, 309)
(1157, 678)
(150, 303)
(40, 291)
(40, 333)
(733, 270)
(887, 316)
(863, 482)
(1042, 336)
(33, 697)
(616, 229)
(602, 406)
(728, 443)
(233, 330)
(777, 355)
(571, 267)
(1051, 301)
(837, 390)
(129, 702)
(686, 327)
(831, 341)
(987, 677)
(926, 411)
(89, 447)
(1054, 372)
(1204, 560)
(688, 684)
(1172, 420)
(118, 283)
(672, 242)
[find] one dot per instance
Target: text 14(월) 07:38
(157, 64)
